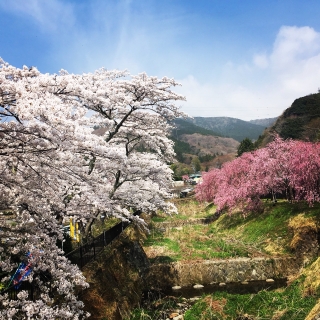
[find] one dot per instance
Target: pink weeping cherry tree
(289, 167)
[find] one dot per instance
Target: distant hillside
(203, 145)
(192, 141)
(301, 121)
(183, 149)
(229, 127)
(264, 122)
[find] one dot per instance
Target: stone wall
(184, 274)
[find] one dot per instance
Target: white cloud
(296, 60)
(50, 15)
(293, 45)
(261, 61)
(265, 88)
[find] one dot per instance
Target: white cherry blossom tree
(53, 166)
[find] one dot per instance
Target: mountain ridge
(229, 127)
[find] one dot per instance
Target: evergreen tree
(246, 145)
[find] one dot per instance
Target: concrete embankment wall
(217, 271)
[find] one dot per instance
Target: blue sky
(246, 59)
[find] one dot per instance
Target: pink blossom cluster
(290, 168)
(185, 177)
(54, 167)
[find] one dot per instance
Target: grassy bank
(268, 233)
(258, 234)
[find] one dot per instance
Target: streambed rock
(176, 288)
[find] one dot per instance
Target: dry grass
(301, 226)
(115, 280)
(312, 280)
(300, 221)
(98, 307)
(279, 314)
(99, 226)
(314, 313)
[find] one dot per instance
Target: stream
(232, 287)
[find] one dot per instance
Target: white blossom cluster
(53, 166)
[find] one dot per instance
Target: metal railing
(80, 256)
(87, 252)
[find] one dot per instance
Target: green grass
(229, 236)
(192, 242)
(217, 248)
(286, 304)
(171, 247)
(258, 227)
(158, 219)
(155, 238)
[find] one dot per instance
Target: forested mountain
(229, 127)
(301, 121)
(211, 141)
(192, 140)
(185, 126)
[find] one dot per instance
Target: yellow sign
(74, 230)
